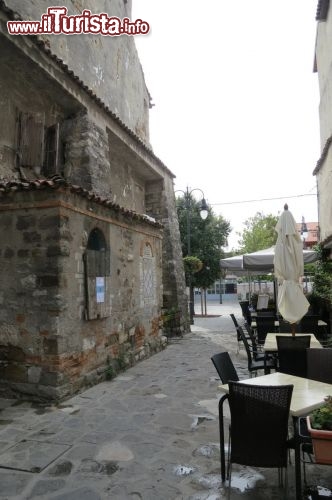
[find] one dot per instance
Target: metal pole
(204, 214)
(191, 304)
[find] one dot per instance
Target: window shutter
(52, 144)
(31, 139)
(97, 282)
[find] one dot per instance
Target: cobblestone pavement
(151, 433)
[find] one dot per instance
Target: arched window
(96, 240)
(96, 271)
(97, 256)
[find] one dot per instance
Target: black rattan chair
(319, 364)
(225, 368)
(292, 354)
(284, 326)
(265, 363)
(265, 325)
(256, 348)
(244, 304)
(309, 323)
(235, 321)
(239, 339)
(259, 426)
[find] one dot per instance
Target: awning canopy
(260, 262)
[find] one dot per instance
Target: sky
(235, 102)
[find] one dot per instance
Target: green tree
(259, 233)
(207, 237)
(322, 287)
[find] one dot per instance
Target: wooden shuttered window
(97, 276)
(98, 262)
(38, 146)
(52, 150)
(31, 139)
(97, 282)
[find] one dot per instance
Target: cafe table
(270, 344)
(307, 395)
(254, 324)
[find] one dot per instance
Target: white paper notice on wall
(100, 289)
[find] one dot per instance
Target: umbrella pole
(293, 326)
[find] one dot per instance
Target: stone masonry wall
(48, 349)
(109, 66)
(99, 154)
(86, 155)
(160, 202)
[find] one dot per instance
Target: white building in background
(323, 170)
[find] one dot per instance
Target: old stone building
(90, 252)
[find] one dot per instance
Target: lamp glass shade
(204, 210)
(203, 214)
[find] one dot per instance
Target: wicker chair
(239, 339)
(259, 427)
(309, 323)
(244, 304)
(255, 362)
(284, 327)
(265, 325)
(292, 354)
(319, 364)
(225, 368)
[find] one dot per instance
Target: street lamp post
(203, 213)
(220, 290)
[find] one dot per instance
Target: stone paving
(151, 433)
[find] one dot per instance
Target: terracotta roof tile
(56, 182)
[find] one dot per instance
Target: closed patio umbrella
(288, 268)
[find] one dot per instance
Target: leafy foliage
(259, 233)
(321, 418)
(207, 237)
(322, 285)
(192, 264)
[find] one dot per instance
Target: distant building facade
(310, 238)
(90, 251)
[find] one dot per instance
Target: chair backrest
(259, 423)
(245, 310)
(251, 334)
(319, 364)
(262, 301)
(309, 323)
(265, 324)
(246, 346)
(236, 324)
(244, 304)
(292, 354)
(224, 366)
(284, 326)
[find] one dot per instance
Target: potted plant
(320, 427)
